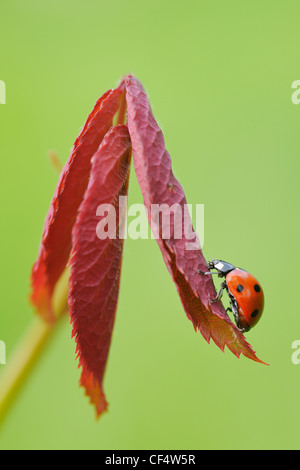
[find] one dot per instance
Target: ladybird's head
(222, 267)
(211, 264)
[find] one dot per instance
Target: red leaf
(56, 241)
(153, 168)
(97, 173)
(96, 263)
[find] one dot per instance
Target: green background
(219, 78)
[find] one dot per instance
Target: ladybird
(244, 291)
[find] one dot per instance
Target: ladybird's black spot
(257, 288)
(254, 313)
(240, 288)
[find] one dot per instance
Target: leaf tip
(94, 391)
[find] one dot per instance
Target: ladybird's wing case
(248, 293)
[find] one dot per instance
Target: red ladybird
(245, 293)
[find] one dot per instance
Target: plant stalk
(30, 348)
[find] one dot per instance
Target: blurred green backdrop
(219, 78)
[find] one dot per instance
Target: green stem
(29, 349)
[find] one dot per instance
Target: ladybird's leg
(208, 272)
(235, 311)
(236, 317)
(210, 267)
(220, 293)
